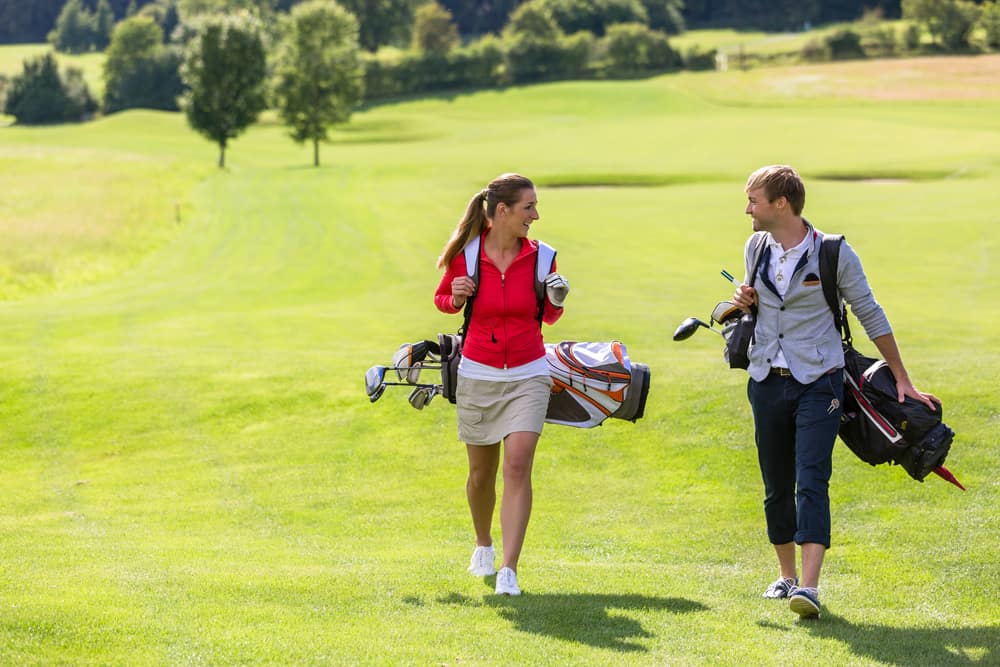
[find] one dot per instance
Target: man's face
(763, 213)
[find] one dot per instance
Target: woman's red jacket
(504, 331)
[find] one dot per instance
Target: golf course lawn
(191, 473)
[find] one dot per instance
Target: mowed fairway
(190, 472)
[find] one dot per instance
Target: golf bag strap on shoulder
(544, 260)
(758, 255)
(829, 257)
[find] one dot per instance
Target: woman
(504, 384)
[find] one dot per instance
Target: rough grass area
(192, 474)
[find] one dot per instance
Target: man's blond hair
(779, 180)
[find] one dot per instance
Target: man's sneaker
(804, 602)
(481, 564)
(782, 588)
(507, 582)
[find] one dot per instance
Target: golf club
(689, 326)
(375, 383)
(421, 396)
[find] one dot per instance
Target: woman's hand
(461, 289)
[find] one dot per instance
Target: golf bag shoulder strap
(758, 255)
(829, 257)
(544, 260)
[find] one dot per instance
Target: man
(796, 387)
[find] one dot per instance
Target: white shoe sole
(482, 571)
(803, 606)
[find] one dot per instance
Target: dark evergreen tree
(41, 95)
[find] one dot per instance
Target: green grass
(191, 473)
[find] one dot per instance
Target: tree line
(384, 22)
(310, 62)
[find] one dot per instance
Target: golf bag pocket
(738, 334)
(451, 355)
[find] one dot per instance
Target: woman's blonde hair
(504, 188)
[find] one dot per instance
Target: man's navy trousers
(795, 428)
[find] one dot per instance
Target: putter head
(725, 311)
(375, 382)
(687, 328)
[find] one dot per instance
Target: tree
(533, 21)
(381, 22)
(22, 21)
(41, 95)
(665, 15)
(434, 30)
(104, 25)
(166, 15)
(319, 75)
(225, 69)
(479, 18)
(74, 29)
(949, 22)
(594, 17)
(990, 20)
(139, 70)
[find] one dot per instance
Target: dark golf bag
(880, 429)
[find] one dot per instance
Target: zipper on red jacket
(503, 291)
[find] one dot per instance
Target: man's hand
(745, 297)
(556, 288)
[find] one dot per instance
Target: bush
(393, 73)
(632, 48)
(845, 45)
(696, 59)
(816, 50)
(878, 41)
(41, 95)
(911, 37)
(529, 60)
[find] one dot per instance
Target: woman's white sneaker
(507, 582)
(482, 563)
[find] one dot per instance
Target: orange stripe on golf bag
(559, 385)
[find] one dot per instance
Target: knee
(516, 472)
(480, 479)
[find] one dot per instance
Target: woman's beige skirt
(490, 411)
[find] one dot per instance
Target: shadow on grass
(941, 647)
(597, 620)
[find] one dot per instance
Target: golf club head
(725, 311)
(422, 396)
(407, 361)
(687, 328)
(375, 382)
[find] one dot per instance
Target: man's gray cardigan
(802, 323)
